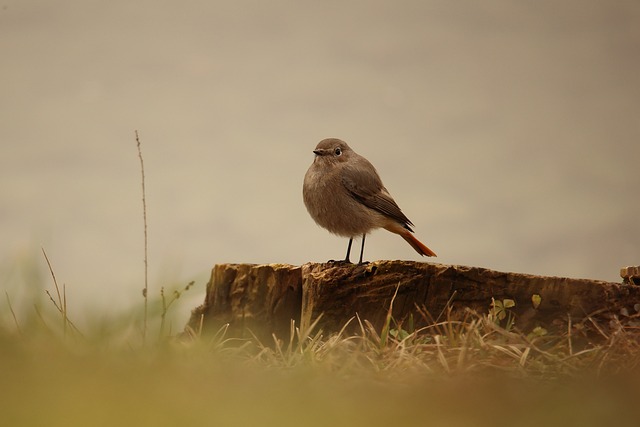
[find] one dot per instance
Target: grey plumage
(344, 194)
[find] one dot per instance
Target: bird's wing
(363, 183)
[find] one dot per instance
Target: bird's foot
(339, 261)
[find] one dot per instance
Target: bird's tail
(417, 244)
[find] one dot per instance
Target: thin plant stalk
(15, 319)
(61, 305)
(146, 258)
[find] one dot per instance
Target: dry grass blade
(15, 319)
(384, 334)
(61, 304)
(53, 275)
(441, 357)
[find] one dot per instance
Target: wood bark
(265, 298)
(252, 299)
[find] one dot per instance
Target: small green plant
(167, 303)
(536, 300)
(501, 311)
(400, 333)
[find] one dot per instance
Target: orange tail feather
(417, 244)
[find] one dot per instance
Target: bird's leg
(362, 248)
(346, 259)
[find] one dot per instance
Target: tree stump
(250, 298)
(265, 298)
(631, 274)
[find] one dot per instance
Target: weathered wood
(250, 298)
(631, 274)
(264, 298)
(340, 292)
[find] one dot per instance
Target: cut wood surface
(263, 299)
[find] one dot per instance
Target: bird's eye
(337, 151)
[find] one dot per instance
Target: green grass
(132, 370)
(465, 372)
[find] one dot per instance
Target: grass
(475, 370)
(472, 371)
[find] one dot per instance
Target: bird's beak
(320, 152)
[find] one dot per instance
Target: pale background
(508, 132)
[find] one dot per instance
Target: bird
(344, 194)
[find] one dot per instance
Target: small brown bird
(344, 194)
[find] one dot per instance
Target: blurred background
(508, 132)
